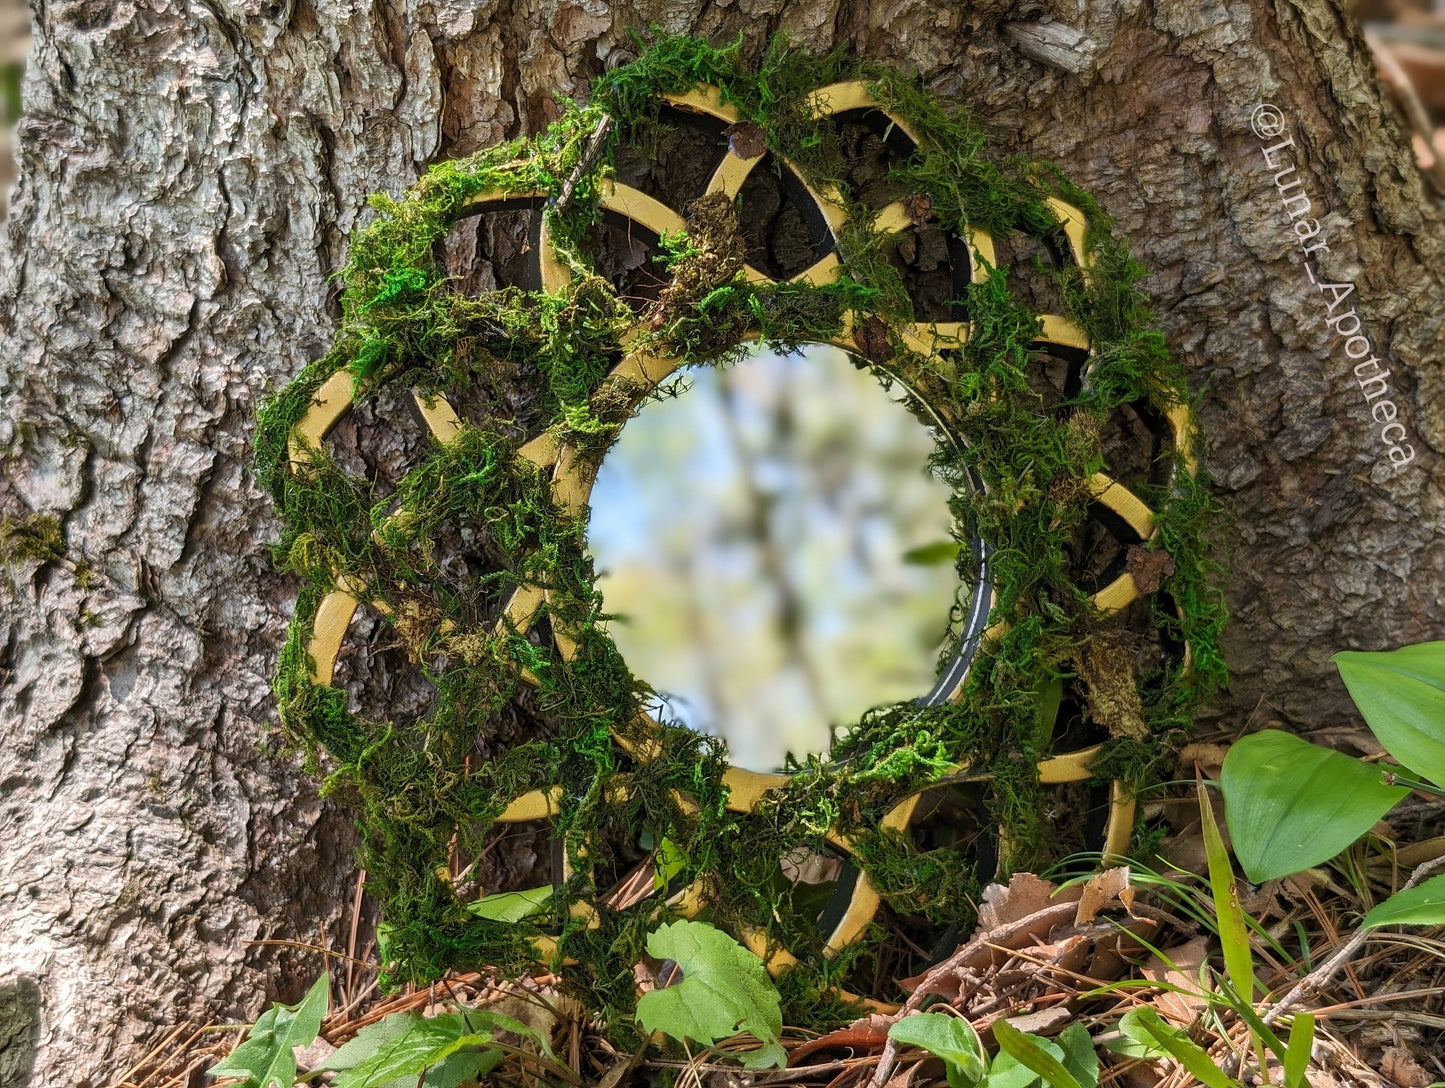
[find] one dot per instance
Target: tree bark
(189, 173)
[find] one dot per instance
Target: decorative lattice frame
(571, 468)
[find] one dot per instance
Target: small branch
(1320, 977)
(590, 154)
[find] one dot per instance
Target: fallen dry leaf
(1179, 967)
(1400, 1066)
(1025, 894)
(1101, 890)
(1043, 1021)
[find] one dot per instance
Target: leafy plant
(1022, 1061)
(1290, 804)
(1146, 1035)
(442, 1050)
(403, 1050)
(266, 1057)
(948, 1037)
(724, 990)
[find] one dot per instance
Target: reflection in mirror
(775, 555)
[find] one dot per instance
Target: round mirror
(773, 551)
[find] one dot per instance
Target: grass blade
(1233, 929)
(1297, 1057)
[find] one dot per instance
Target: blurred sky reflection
(750, 535)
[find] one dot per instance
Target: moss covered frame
(1031, 481)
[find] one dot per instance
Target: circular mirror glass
(774, 553)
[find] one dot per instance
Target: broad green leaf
(1297, 1056)
(465, 1065)
(512, 906)
(934, 554)
(267, 1057)
(1008, 1072)
(1033, 1052)
(1182, 1048)
(669, 862)
(1080, 1057)
(724, 991)
(1137, 1041)
(1290, 804)
(948, 1037)
(1401, 694)
(1422, 905)
(369, 1040)
(1229, 916)
(405, 1044)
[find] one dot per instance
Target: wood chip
(1042, 1022)
(746, 140)
(919, 208)
(1148, 567)
(872, 340)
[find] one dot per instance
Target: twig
(1321, 976)
(325, 952)
(590, 155)
(351, 960)
(169, 1038)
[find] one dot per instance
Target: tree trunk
(189, 173)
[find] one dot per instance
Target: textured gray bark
(190, 171)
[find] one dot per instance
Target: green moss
(35, 539)
(422, 789)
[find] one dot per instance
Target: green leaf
(1290, 804)
(669, 862)
(1029, 1050)
(1422, 905)
(1297, 1056)
(1401, 694)
(1179, 1046)
(456, 1069)
(267, 1056)
(1080, 1057)
(935, 554)
(948, 1037)
(1137, 1041)
(1233, 929)
(1008, 1072)
(512, 906)
(724, 990)
(405, 1044)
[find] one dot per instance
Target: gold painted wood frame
(640, 373)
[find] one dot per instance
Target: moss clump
(431, 788)
(35, 539)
